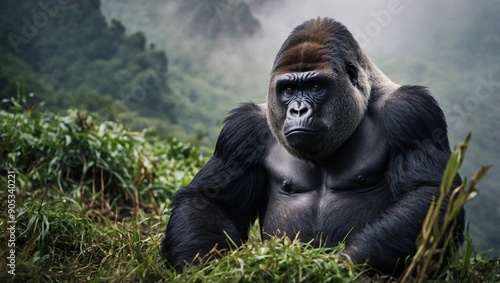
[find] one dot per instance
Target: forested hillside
(67, 55)
(174, 68)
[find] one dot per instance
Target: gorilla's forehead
(303, 57)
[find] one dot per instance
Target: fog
(395, 29)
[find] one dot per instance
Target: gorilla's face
(318, 91)
(313, 112)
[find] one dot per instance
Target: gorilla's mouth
(302, 138)
(300, 131)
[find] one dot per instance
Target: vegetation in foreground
(91, 205)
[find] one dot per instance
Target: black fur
(225, 196)
(415, 130)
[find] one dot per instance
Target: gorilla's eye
(315, 87)
(289, 90)
(286, 186)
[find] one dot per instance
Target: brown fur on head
(325, 46)
(313, 44)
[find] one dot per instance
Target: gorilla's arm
(225, 196)
(416, 133)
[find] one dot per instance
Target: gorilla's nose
(299, 109)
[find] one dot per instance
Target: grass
(92, 204)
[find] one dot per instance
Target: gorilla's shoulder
(412, 114)
(245, 132)
(245, 112)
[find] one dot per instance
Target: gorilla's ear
(353, 73)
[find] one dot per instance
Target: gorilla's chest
(329, 198)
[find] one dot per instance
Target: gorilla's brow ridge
(299, 76)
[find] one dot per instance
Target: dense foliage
(97, 67)
(76, 180)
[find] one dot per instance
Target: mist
(255, 55)
(384, 29)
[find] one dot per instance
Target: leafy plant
(436, 238)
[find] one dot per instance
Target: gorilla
(339, 153)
